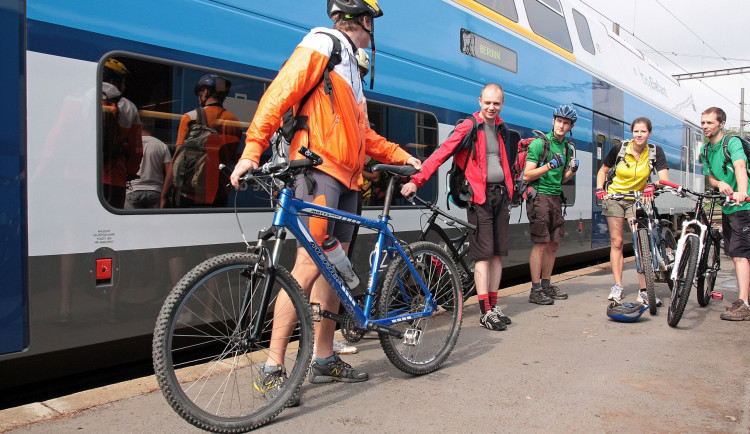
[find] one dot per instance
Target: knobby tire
(685, 276)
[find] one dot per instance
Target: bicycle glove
(556, 161)
(600, 193)
(648, 191)
(574, 165)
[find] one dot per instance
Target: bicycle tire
(710, 265)
(647, 267)
(685, 277)
(435, 335)
(203, 367)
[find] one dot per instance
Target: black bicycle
(698, 253)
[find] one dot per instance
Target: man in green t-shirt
(735, 219)
(546, 222)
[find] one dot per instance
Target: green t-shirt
(715, 167)
(550, 182)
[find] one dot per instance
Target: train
(83, 280)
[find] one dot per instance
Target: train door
(607, 132)
(13, 300)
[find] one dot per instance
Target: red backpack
(521, 189)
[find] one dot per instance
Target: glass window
(415, 131)
(506, 8)
(148, 108)
(584, 33)
(546, 20)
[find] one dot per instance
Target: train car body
(82, 281)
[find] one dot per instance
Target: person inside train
(546, 172)
(336, 181)
(121, 136)
(489, 207)
(208, 186)
(146, 190)
(632, 172)
(735, 218)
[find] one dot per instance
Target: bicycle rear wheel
(647, 267)
(685, 275)
(204, 361)
(427, 341)
(709, 268)
(670, 245)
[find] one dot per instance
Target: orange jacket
(340, 134)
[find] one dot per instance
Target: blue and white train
(82, 282)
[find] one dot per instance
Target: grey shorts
(329, 192)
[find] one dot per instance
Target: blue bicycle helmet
(626, 312)
(566, 112)
(218, 84)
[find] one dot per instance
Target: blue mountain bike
(213, 333)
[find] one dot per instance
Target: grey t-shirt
(495, 174)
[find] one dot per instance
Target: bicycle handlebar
(434, 208)
(726, 200)
(311, 159)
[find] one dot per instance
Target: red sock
(484, 303)
(493, 299)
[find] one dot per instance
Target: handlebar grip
(669, 184)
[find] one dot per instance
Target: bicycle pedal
(316, 317)
(412, 337)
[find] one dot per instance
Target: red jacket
(476, 172)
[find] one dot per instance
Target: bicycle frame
(696, 227)
(286, 217)
(657, 242)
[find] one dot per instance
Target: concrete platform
(560, 368)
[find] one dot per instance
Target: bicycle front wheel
(647, 267)
(206, 362)
(710, 266)
(685, 276)
(427, 341)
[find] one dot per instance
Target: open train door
(607, 132)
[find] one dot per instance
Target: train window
(149, 105)
(584, 33)
(491, 52)
(506, 8)
(416, 132)
(547, 20)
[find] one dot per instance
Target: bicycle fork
(687, 233)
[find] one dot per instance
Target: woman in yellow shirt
(632, 173)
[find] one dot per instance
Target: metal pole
(742, 112)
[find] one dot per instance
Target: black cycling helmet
(354, 8)
(566, 112)
(218, 84)
(625, 312)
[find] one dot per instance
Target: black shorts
(546, 222)
(331, 193)
(736, 229)
(492, 220)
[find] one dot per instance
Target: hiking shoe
(490, 321)
(500, 315)
(271, 383)
(342, 348)
(738, 311)
(539, 297)
(615, 293)
(643, 298)
(555, 293)
(337, 370)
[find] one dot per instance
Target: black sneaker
(500, 315)
(539, 297)
(555, 293)
(271, 383)
(337, 370)
(490, 321)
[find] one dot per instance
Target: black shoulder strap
(545, 147)
(725, 147)
(200, 116)
(300, 122)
